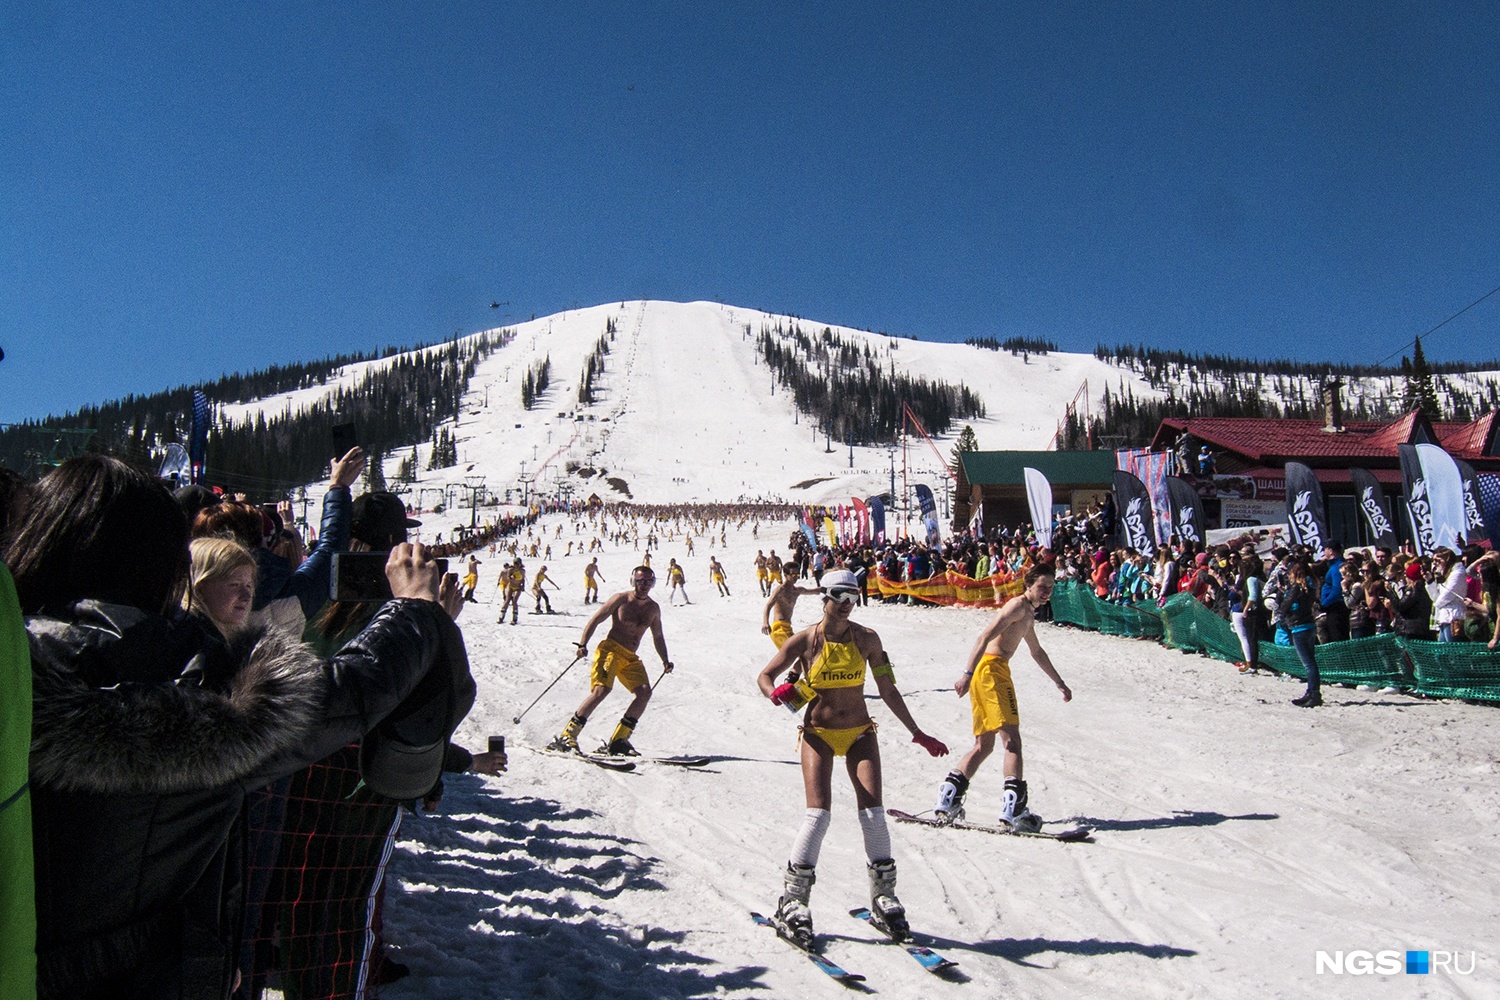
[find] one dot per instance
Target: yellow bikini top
(839, 665)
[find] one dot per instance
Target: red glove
(931, 744)
(783, 693)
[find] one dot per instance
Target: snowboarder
(987, 682)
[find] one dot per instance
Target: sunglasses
(844, 595)
(648, 580)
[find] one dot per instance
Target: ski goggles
(847, 595)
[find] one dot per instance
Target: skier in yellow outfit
(716, 574)
(761, 573)
(538, 582)
(776, 617)
(513, 580)
(987, 682)
(838, 724)
(630, 613)
(591, 574)
(678, 580)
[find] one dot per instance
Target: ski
(824, 964)
(608, 763)
(1070, 836)
(680, 760)
(926, 957)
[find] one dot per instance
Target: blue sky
(187, 190)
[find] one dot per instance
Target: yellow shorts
(760, 573)
(993, 696)
(780, 633)
(611, 661)
(839, 740)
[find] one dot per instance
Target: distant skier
(716, 574)
(776, 617)
(987, 682)
(591, 576)
(538, 584)
(678, 580)
(471, 580)
(630, 613)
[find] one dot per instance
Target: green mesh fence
(1455, 670)
(1075, 604)
(1436, 669)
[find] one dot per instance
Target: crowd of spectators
(182, 668)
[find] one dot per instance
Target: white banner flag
(1039, 497)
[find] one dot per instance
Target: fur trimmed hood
(127, 703)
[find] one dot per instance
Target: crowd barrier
(1466, 670)
(951, 589)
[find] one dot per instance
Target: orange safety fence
(952, 589)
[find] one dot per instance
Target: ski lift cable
(1444, 323)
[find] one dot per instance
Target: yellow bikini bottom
(838, 740)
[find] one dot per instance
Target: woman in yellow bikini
(837, 724)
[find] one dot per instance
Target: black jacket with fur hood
(147, 732)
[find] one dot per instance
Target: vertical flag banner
(877, 519)
(1445, 491)
(807, 532)
(1187, 510)
(862, 532)
(175, 464)
(1039, 499)
(1306, 513)
(928, 506)
(198, 438)
(1489, 505)
(1474, 528)
(1133, 501)
(832, 530)
(1150, 467)
(1418, 506)
(1377, 513)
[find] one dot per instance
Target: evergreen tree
(1420, 394)
(966, 442)
(375, 473)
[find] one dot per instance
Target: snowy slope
(1236, 834)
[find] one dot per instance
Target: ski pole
(549, 687)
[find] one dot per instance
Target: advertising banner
(1137, 526)
(1377, 513)
(1039, 499)
(1306, 512)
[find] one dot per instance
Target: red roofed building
(1251, 455)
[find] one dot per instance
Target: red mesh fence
(316, 847)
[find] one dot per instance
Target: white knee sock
(810, 838)
(877, 837)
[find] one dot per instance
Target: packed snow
(1235, 835)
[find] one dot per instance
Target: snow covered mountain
(686, 410)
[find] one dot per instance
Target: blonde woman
(222, 584)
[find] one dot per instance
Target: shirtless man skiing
(591, 575)
(630, 613)
(776, 617)
(986, 681)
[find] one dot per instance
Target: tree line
(393, 406)
(850, 395)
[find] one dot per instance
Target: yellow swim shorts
(993, 696)
(611, 661)
(780, 633)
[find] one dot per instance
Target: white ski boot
(886, 911)
(1013, 811)
(950, 802)
(793, 917)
